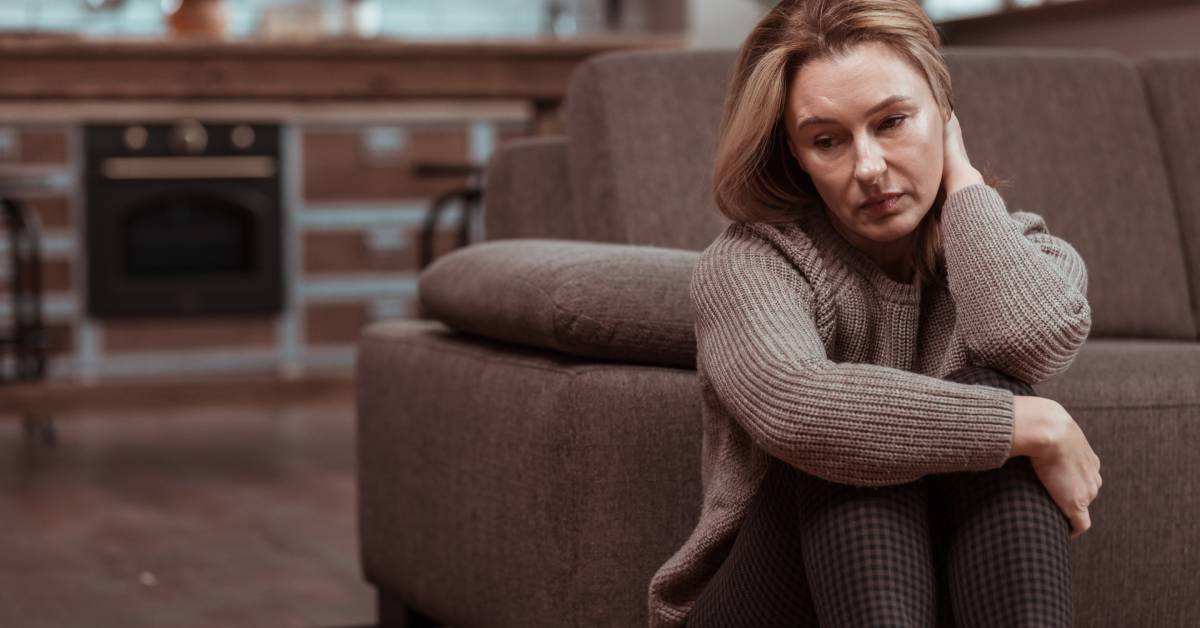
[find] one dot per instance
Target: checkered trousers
(969, 550)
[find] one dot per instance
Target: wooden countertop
(320, 112)
(36, 69)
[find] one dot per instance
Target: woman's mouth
(885, 206)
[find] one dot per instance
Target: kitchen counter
(58, 77)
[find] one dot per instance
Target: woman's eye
(823, 143)
(896, 119)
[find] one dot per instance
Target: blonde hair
(756, 177)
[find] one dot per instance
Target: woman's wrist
(1032, 435)
(963, 179)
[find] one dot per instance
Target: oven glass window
(188, 235)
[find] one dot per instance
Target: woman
(868, 330)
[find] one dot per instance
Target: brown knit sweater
(808, 352)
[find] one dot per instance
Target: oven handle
(239, 167)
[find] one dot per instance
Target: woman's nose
(870, 163)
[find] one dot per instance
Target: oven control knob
(242, 136)
(189, 136)
(135, 137)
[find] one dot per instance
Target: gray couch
(530, 455)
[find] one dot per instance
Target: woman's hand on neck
(957, 171)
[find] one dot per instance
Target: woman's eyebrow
(883, 104)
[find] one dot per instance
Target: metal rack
(23, 344)
(470, 196)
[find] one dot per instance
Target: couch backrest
(1172, 82)
(528, 193)
(1072, 133)
(1069, 130)
(643, 132)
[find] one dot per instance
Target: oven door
(175, 248)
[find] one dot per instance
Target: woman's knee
(1004, 550)
(1012, 489)
(987, 376)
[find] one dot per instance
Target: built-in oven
(183, 218)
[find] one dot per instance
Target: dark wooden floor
(184, 516)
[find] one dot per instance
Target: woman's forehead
(853, 82)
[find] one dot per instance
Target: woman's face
(864, 125)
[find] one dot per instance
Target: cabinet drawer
(341, 323)
(384, 249)
(56, 276)
(359, 163)
(53, 211)
(34, 145)
(60, 338)
(184, 334)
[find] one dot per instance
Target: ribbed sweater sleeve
(760, 351)
(1019, 292)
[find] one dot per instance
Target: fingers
(1070, 471)
(1081, 520)
(1080, 523)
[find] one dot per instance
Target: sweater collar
(815, 222)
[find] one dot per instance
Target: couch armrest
(528, 194)
(608, 301)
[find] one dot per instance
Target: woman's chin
(888, 228)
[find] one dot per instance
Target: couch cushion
(1138, 402)
(1072, 133)
(1173, 84)
(643, 129)
(607, 301)
(1128, 373)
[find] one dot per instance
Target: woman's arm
(760, 353)
(1019, 292)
